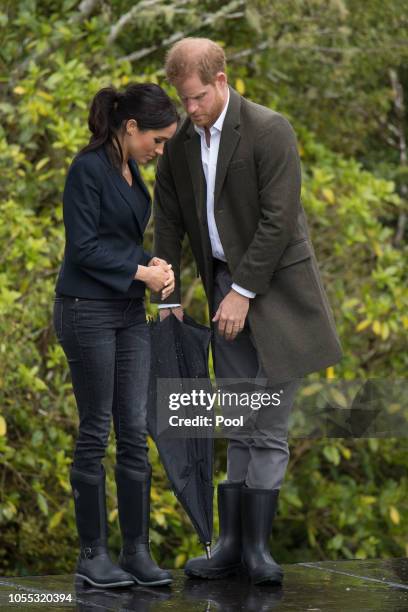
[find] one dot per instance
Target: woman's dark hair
(147, 103)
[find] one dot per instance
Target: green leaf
(332, 454)
(42, 504)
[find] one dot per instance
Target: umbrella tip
(208, 549)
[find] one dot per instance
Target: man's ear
(221, 78)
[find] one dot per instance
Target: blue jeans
(107, 344)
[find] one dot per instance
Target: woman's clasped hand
(158, 276)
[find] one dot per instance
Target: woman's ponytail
(100, 118)
(102, 107)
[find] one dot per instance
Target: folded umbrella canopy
(180, 352)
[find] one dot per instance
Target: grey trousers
(259, 455)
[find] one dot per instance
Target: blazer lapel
(230, 137)
(140, 209)
(193, 154)
(136, 174)
(143, 208)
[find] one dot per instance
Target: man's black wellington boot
(258, 507)
(226, 556)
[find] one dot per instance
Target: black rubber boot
(134, 517)
(258, 507)
(94, 564)
(226, 556)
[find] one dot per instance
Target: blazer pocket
(237, 164)
(298, 251)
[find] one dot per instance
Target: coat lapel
(230, 138)
(193, 154)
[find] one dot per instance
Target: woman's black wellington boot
(94, 564)
(134, 516)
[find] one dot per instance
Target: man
(230, 179)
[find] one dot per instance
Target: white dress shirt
(209, 157)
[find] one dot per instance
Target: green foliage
(352, 214)
(344, 499)
(341, 498)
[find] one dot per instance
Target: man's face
(203, 103)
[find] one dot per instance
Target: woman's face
(143, 146)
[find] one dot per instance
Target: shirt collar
(220, 121)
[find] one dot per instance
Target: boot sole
(213, 574)
(272, 579)
(153, 582)
(108, 585)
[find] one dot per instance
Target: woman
(99, 319)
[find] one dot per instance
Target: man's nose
(191, 106)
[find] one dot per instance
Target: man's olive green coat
(263, 231)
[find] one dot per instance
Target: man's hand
(231, 314)
(165, 312)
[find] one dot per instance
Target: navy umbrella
(180, 353)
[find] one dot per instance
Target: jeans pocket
(58, 317)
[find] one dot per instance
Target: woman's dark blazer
(104, 222)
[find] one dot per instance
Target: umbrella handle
(208, 549)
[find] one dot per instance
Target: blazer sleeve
(279, 184)
(81, 205)
(168, 226)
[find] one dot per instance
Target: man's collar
(220, 121)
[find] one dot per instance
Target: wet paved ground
(330, 586)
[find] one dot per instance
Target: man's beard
(211, 118)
